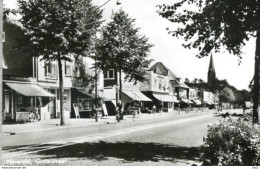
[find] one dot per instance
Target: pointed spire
(211, 64)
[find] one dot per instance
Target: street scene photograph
(130, 83)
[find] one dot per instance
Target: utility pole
(96, 95)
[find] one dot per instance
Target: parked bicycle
(34, 116)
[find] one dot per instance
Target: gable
(159, 68)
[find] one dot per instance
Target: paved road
(164, 141)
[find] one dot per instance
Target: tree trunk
(256, 80)
(96, 98)
(120, 84)
(1, 75)
(62, 118)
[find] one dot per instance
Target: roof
(159, 68)
(176, 83)
(165, 68)
(211, 64)
(170, 73)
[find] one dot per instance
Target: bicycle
(34, 117)
(119, 117)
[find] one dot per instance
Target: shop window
(110, 74)
(84, 104)
(67, 69)
(50, 70)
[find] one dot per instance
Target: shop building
(181, 91)
(84, 87)
(46, 73)
(21, 92)
(157, 88)
(133, 97)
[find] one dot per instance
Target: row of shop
(20, 99)
(41, 95)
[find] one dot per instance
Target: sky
(169, 50)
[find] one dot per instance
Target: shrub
(232, 143)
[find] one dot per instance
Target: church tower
(211, 74)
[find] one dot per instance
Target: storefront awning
(27, 89)
(136, 95)
(197, 102)
(175, 99)
(187, 101)
(84, 92)
(164, 98)
(209, 102)
(141, 96)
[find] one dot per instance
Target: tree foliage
(209, 25)
(59, 26)
(123, 48)
(7, 12)
(214, 23)
(59, 30)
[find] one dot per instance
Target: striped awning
(136, 95)
(197, 102)
(28, 89)
(164, 98)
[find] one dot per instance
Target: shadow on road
(126, 151)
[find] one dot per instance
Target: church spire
(211, 74)
(211, 64)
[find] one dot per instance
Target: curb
(106, 121)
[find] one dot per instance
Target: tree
(209, 25)
(122, 48)
(59, 30)
(187, 80)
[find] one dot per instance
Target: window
(109, 74)
(67, 69)
(50, 70)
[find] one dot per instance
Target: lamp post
(96, 95)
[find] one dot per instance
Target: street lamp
(96, 96)
(117, 3)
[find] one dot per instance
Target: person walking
(119, 113)
(154, 109)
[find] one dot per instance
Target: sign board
(104, 109)
(247, 105)
(76, 110)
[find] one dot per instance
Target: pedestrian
(154, 109)
(244, 109)
(119, 113)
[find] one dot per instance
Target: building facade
(158, 87)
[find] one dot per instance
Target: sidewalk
(53, 124)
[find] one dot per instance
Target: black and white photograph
(129, 83)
